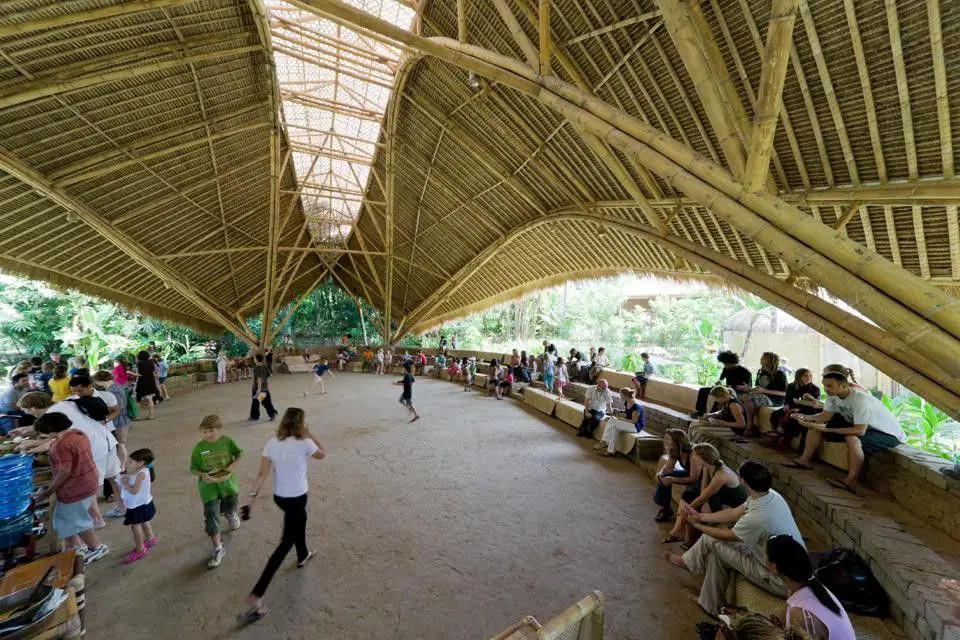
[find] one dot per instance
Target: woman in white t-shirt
(287, 456)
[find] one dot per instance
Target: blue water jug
(16, 485)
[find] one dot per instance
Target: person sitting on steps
(733, 375)
(850, 416)
(730, 412)
(599, 403)
(720, 488)
(634, 423)
(721, 552)
(770, 390)
(678, 450)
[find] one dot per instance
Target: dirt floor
(454, 527)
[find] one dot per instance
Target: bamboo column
(686, 37)
(462, 20)
(772, 76)
(519, 35)
(545, 37)
(266, 325)
(388, 230)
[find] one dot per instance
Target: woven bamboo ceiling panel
(863, 144)
(137, 156)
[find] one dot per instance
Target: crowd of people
(81, 420)
(849, 413)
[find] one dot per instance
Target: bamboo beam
(706, 76)
(903, 87)
(863, 72)
(824, 73)
(90, 15)
(519, 35)
(208, 252)
(868, 341)
(621, 24)
(772, 76)
(272, 236)
(15, 167)
(545, 47)
(744, 77)
(46, 87)
(943, 90)
(845, 219)
(912, 309)
(462, 21)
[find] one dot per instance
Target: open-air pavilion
(208, 161)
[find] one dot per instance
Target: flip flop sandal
(840, 484)
(251, 615)
(669, 539)
(793, 464)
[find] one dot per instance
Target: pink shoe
(151, 542)
(134, 555)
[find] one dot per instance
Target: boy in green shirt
(213, 460)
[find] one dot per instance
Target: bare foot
(415, 419)
(674, 559)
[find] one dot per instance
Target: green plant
(921, 421)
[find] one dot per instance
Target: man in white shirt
(599, 362)
(598, 404)
(720, 551)
(850, 416)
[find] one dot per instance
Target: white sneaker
(234, 520)
(116, 512)
(92, 555)
(216, 558)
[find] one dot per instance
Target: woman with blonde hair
(285, 457)
(720, 488)
(770, 390)
(731, 413)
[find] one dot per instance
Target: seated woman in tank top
(811, 607)
(720, 488)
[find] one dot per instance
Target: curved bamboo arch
(920, 318)
(872, 344)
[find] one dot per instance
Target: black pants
(590, 422)
(663, 495)
(703, 400)
(267, 406)
(294, 534)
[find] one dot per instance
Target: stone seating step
(906, 554)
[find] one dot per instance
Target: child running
(135, 491)
(319, 369)
(406, 398)
(213, 461)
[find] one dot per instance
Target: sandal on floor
(670, 539)
(793, 464)
(840, 484)
(664, 516)
(773, 433)
(253, 614)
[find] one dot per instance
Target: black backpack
(92, 407)
(849, 578)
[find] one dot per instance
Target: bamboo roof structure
(207, 160)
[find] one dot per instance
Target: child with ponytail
(811, 607)
(135, 492)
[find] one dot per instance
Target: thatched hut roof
(767, 321)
